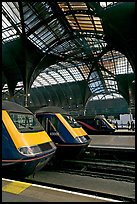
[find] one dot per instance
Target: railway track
(96, 167)
(109, 154)
(107, 169)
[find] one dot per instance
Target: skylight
(11, 26)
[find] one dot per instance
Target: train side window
(43, 122)
(55, 122)
(46, 126)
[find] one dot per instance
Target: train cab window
(100, 124)
(25, 122)
(71, 121)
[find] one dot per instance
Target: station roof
(63, 53)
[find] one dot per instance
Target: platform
(113, 141)
(14, 191)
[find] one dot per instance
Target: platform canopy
(63, 53)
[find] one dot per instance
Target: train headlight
(84, 139)
(37, 149)
(81, 139)
(26, 151)
(53, 145)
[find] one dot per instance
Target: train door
(47, 124)
(53, 124)
(44, 123)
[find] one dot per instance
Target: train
(95, 124)
(26, 146)
(69, 137)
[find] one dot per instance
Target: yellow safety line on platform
(16, 187)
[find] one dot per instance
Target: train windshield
(108, 123)
(71, 121)
(25, 122)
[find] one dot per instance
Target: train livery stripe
(73, 131)
(23, 139)
(80, 131)
(109, 124)
(16, 187)
(86, 125)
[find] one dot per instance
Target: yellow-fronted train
(95, 124)
(26, 146)
(69, 137)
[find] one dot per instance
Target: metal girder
(30, 60)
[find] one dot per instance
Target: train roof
(12, 106)
(88, 117)
(51, 109)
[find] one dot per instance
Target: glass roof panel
(105, 96)
(57, 76)
(123, 66)
(97, 22)
(12, 10)
(96, 45)
(76, 74)
(66, 75)
(5, 88)
(78, 6)
(48, 78)
(42, 35)
(107, 84)
(105, 4)
(84, 22)
(19, 86)
(11, 26)
(96, 85)
(111, 85)
(56, 27)
(73, 5)
(48, 31)
(80, 21)
(42, 80)
(84, 69)
(36, 83)
(116, 63)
